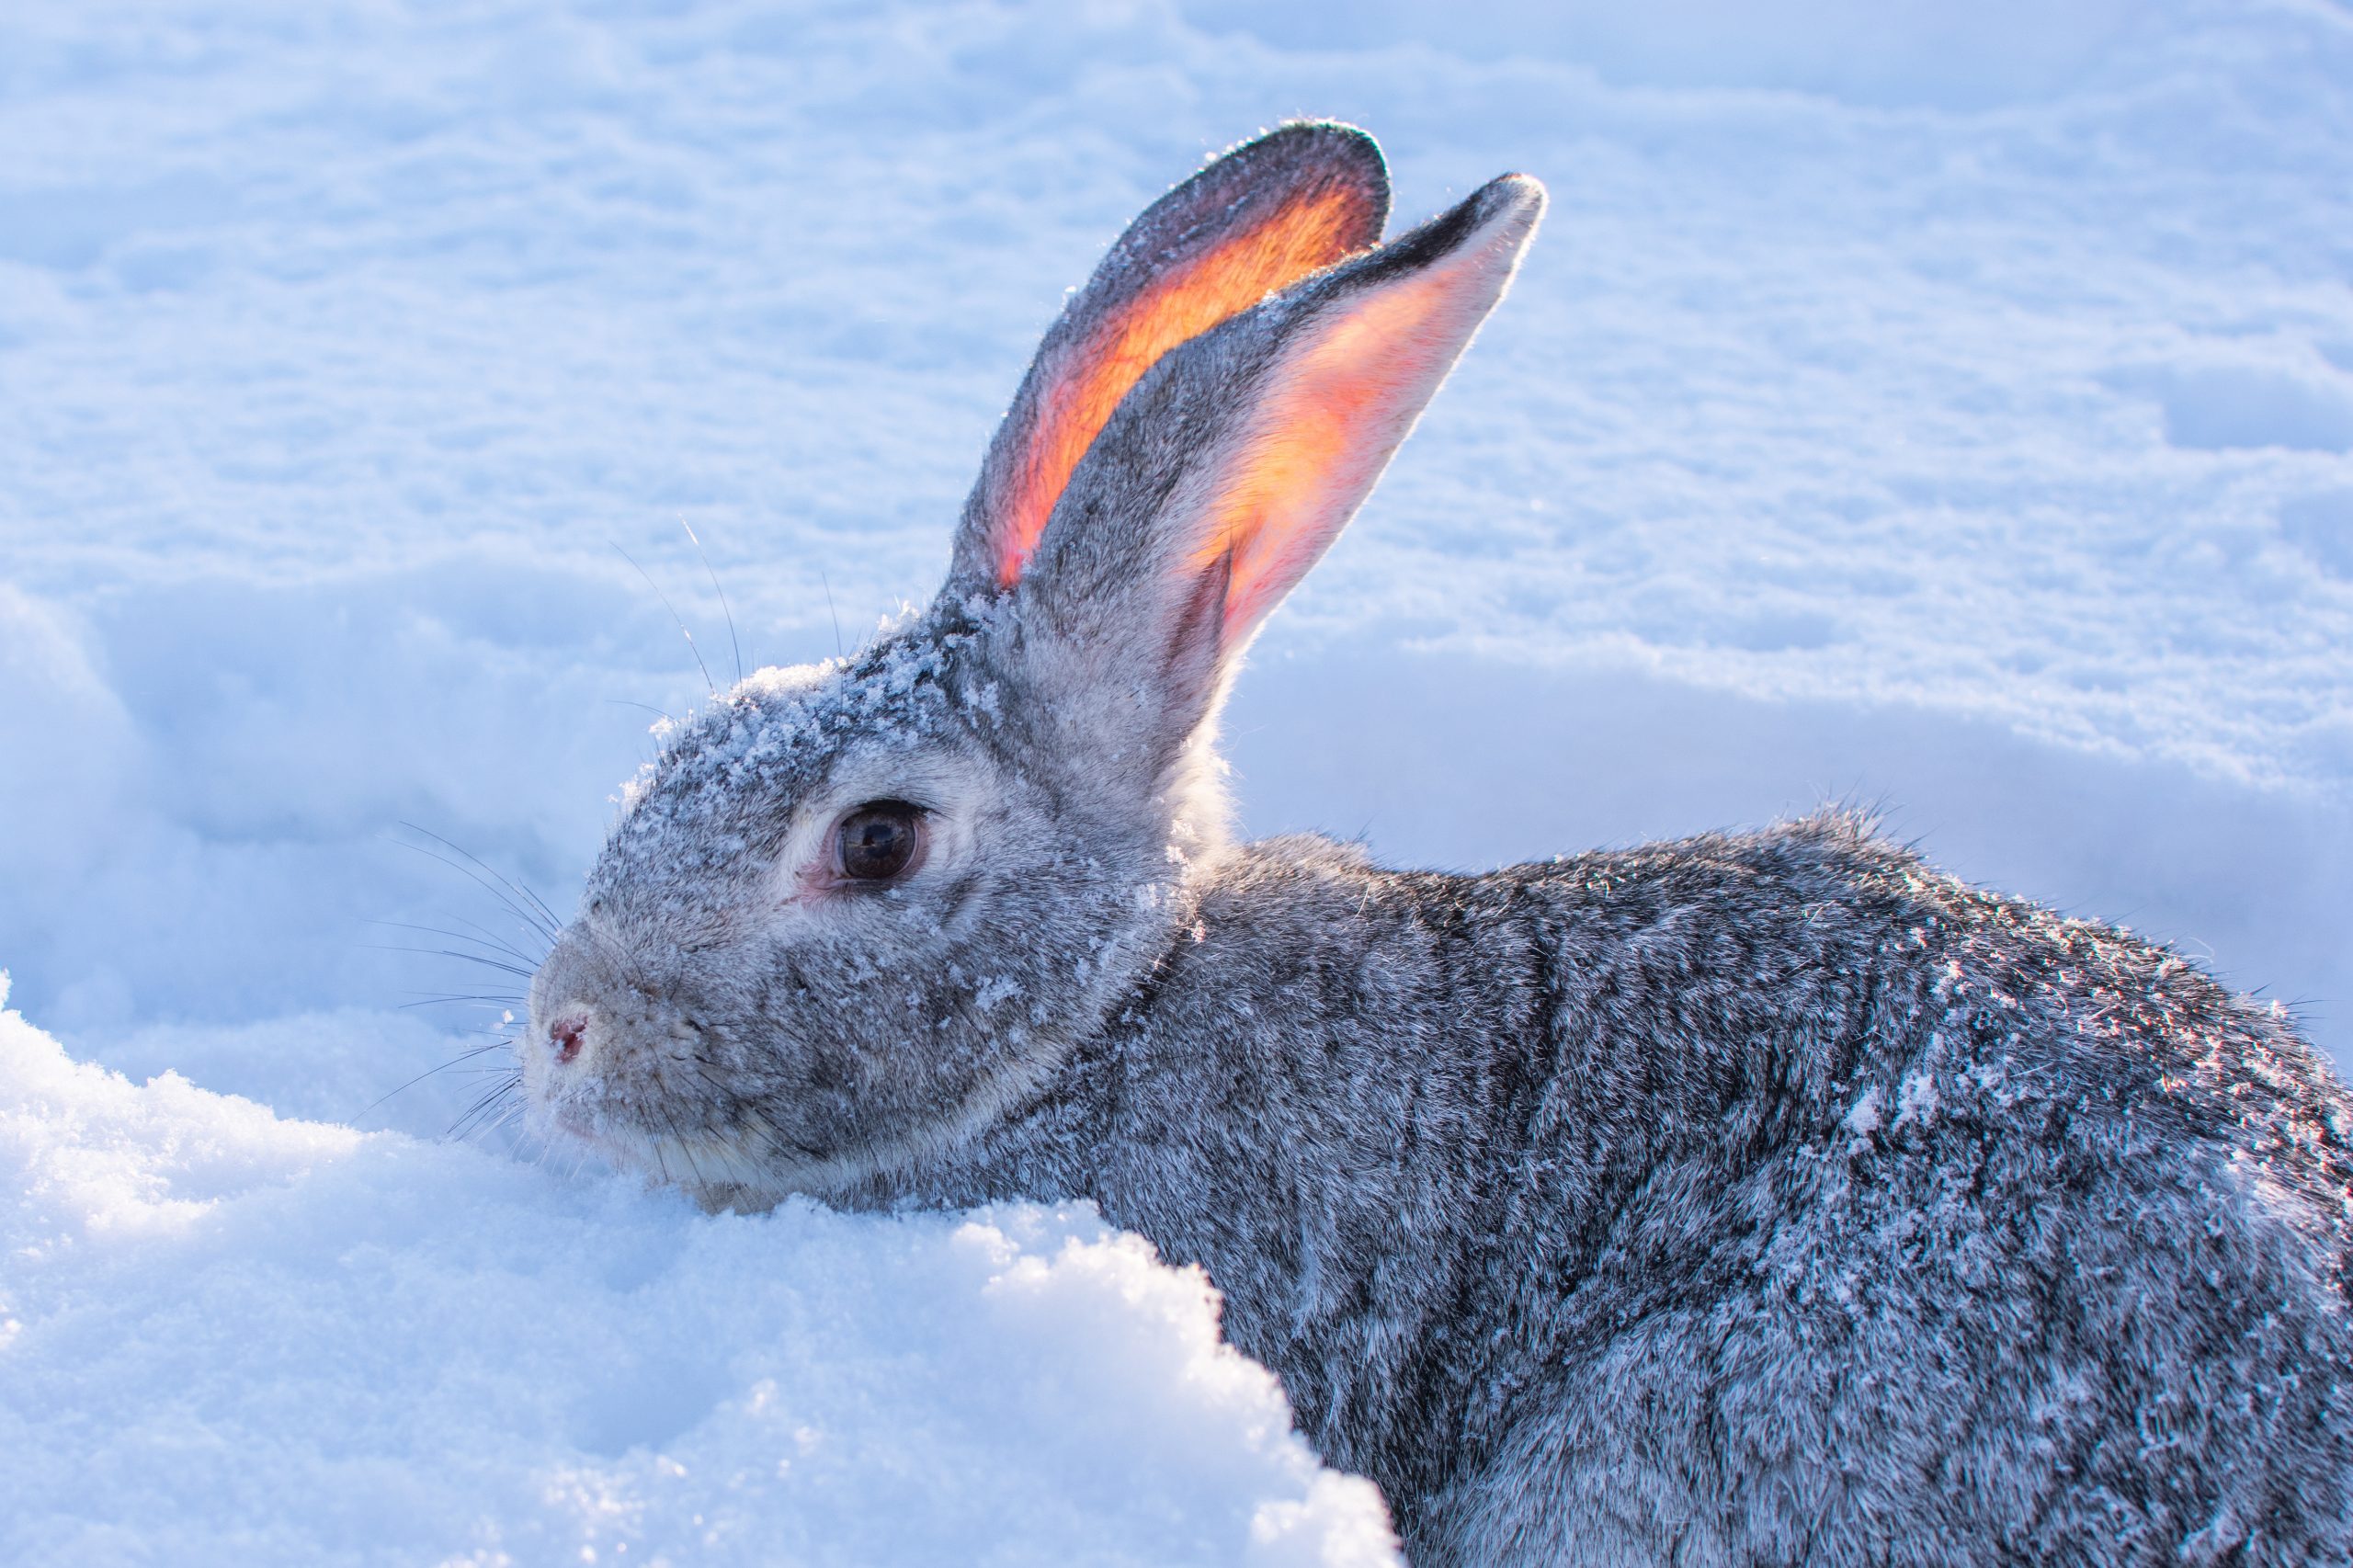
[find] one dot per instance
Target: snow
(1947, 407)
(1918, 1100)
(226, 1335)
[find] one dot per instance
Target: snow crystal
(1915, 1100)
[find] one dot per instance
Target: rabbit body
(1743, 1200)
(1753, 1199)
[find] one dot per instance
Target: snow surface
(225, 1336)
(1947, 406)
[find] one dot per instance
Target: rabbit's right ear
(1254, 222)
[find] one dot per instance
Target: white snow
(1918, 1100)
(1944, 406)
(226, 1337)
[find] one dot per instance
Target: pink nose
(565, 1034)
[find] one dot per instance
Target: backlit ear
(1233, 464)
(1255, 222)
(1349, 380)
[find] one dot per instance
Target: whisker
(462, 1056)
(499, 964)
(504, 1118)
(485, 941)
(518, 889)
(546, 930)
(555, 920)
(685, 1150)
(489, 940)
(499, 1099)
(829, 613)
(733, 646)
(483, 1104)
(709, 684)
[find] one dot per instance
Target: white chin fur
(742, 1170)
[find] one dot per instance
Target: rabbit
(1756, 1197)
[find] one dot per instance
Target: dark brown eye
(879, 840)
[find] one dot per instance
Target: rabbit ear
(1256, 221)
(1230, 469)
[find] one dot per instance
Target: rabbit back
(1966, 1231)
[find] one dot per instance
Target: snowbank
(226, 1337)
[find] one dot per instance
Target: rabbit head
(855, 910)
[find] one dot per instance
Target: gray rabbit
(1746, 1200)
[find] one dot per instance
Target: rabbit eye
(879, 840)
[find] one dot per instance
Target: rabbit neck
(1310, 1096)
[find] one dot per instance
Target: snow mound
(227, 1336)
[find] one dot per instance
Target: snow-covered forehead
(724, 792)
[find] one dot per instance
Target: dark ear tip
(1330, 151)
(1332, 141)
(1498, 216)
(1509, 200)
(1509, 191)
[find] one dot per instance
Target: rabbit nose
(565, 1035)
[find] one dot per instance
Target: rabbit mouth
(718, 1169)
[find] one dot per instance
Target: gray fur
(1757, 1199)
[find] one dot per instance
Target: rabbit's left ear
(1257, 220)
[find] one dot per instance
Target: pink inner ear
(1325, 431)
(1290, 241)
